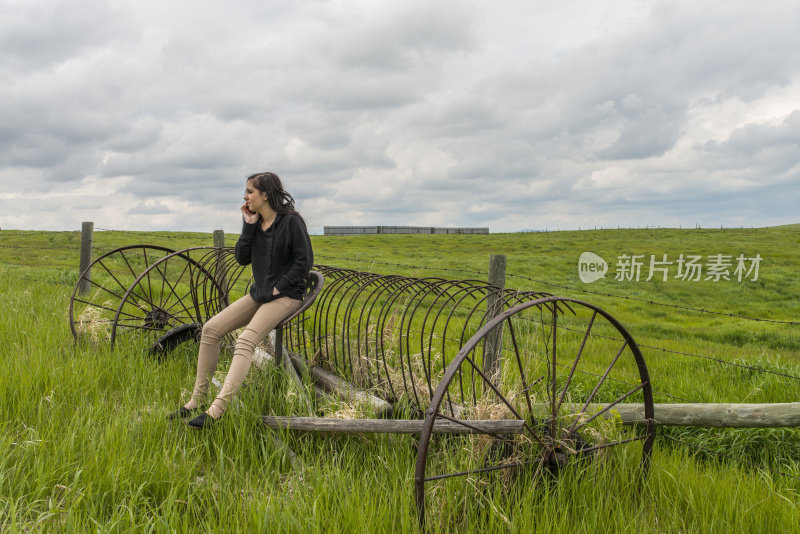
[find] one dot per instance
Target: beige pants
(260, 320)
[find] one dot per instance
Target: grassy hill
(85, 445)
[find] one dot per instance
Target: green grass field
(85, 445)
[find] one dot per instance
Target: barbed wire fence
(482, 275)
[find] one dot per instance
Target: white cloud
(451, 113)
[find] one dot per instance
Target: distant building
(361, 230)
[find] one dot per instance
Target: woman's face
(254, 198)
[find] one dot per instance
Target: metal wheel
(563, 366)
(91, 316)
(164, 296)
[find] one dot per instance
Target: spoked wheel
(164, 297)
(91, 316)
(563, 367)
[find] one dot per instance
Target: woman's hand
(249, 216)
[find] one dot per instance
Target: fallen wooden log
(705, 415)
(325, 382)
(717, 415)
(392, 426)
(341, 388)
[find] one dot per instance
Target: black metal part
(175, 336)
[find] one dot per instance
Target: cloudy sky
(148, 115)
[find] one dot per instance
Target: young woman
(275, 241)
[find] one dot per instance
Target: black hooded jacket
(281, 257)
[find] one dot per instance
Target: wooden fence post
(493, 346)
(87, 231)
(219, 238)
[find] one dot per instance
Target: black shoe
(202, 421)
(184, 412)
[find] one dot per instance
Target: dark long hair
(279, 200)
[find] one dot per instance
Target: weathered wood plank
(344, 390)
(717, 415)
(393, 426)
(328, 383)
(706, 415)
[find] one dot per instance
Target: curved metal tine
(315, 310)
(387, 313)
(356, 282)
(363, 296)
(577, 359)
(466, 290)
(351, 297)
(329, 339)
(599, 384)
(340, 278)
(417, 295)
(378, 290)
(481, 289)
(319, 326)
(408, 284)
(363, 284)
(322, 309)
(387, 310)
(344, 287)
(409, 312)
(298, 344)
(511, 298)
(442, 289)
(294, 337)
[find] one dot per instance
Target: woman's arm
(302, 255)
(244, 246)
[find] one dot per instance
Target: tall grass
(85, 445)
